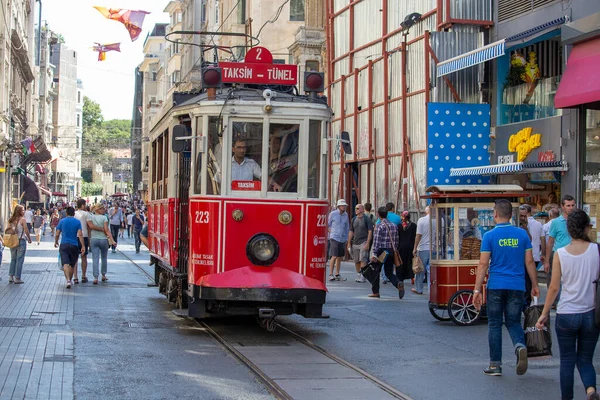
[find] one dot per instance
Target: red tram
(237, 193)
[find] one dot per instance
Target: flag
(132, 19)
(103, 48)
(28, 146)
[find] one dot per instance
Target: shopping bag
(371, 271)
(417, 265)
(539, 342)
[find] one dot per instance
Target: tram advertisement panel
(316, 241)
(204, 228)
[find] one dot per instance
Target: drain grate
(19, 322)
(59, 358)
(33, 272)
(152, 325)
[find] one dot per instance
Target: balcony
(149, 59)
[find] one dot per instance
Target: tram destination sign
(259, 73)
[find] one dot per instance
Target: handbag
(371, 272)
(11, 240)
(397, 259)
(418, 265)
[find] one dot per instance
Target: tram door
(184, 179)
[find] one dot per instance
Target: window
(241, 12)
(283, 157)
(79, 96)
(297, 10)
(78, 121)
(214, 158)
(315, 159)
(203, 12)
(216, 11)
(246, 148)
(154, 76)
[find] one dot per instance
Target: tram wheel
(461, 308)
(441, 314)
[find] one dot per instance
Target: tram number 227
(202, 217)
(322, 220)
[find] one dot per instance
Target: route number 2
(202, 217)
(322, 220)
(258, 54)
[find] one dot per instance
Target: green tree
(92, 113)
(91, 189)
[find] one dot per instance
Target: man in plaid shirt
(386, 239)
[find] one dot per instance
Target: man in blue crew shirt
(71, 244)
(506, 250)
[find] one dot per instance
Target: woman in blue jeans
(100, 239)
(576, 267)
(17, 224)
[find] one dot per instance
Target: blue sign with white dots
(458, 136)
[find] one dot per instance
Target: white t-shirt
(83, 217)
(536, 230)
(546, 229)
(423, 229)
(578, 276)
(28, 216)
(130, 219)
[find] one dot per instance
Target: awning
(580, 83)
(471, 58)
(538, 29)
(510, 168)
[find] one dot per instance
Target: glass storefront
(591, 170)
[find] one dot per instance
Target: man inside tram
(243, 168)
(283, 158)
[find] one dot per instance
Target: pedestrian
(115, 217)
(359, 240)
(138, 224)
(130, 216)
(559, 236)
(538, 244)
(385, 239)
(395, 219)
(553, 213)
(83, 216)
(18, 226)
(29, 219)
(506, 252)
(100, 239)
(38, 222)
(144, 235)
(576, 266)
(123, 223)
(338, 227)
(62, 213)
(54, 219)
(368, 212)
(407, 232)
(45, 225)
(422, 250)
(71, 243)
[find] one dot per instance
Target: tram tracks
(274, 387)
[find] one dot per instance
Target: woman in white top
(577, 268)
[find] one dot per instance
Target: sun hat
(341, 202)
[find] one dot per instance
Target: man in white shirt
(82, 215)
(242, 167)
(538, 243)
(129, 223)
(422, 249)
(552, 213)
(29, 218)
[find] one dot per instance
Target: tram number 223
(322, 220)
(202, 217)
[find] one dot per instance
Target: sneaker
(521, 353)
(68, 284)
(493, 370)
(357, 278)
(339, 278)
(11, 279)
(18, 281)
(331, 278)
(384, 281)
(362, 279)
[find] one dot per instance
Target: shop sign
(506, 159)
(524, 142)
(544, 156)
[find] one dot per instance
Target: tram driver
(242, 167)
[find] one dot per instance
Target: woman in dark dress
(407, 231)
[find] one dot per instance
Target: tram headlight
(262, 249)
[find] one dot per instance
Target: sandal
(84, 280)
(104, 279)
(76, 281)
(95, 281)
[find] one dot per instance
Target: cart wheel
(441, 314)
(461, 308)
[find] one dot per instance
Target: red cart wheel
(461, 308)
(441, 314)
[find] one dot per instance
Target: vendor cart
(460, 216)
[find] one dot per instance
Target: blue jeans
(138, 241)
(507, 305)
(17, 258)
(577, 337)
(424, 256)
(99, 249)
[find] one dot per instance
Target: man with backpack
(359, 240)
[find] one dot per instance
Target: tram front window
(246, 157)
(283, 157)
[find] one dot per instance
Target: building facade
(136, 132)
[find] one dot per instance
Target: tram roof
(248, 94)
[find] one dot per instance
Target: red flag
(103, 48)
(132, 19)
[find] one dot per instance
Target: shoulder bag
(11, 239)
(397, 259)
(597, 299)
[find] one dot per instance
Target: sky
(109, 83)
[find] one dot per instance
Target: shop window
(283, 157)
(530, 82)
(297, 10)
(591, 195)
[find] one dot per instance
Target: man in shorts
(82, 215)
(71, 244)
(339, 226)
(359, 240)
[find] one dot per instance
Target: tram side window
(283, 157)
(153, 177)
(214, 156)
(314, 159)
(246, 157)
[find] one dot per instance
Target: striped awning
(495, 169)
(545, 166)
(537, 29)
(471, 58)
